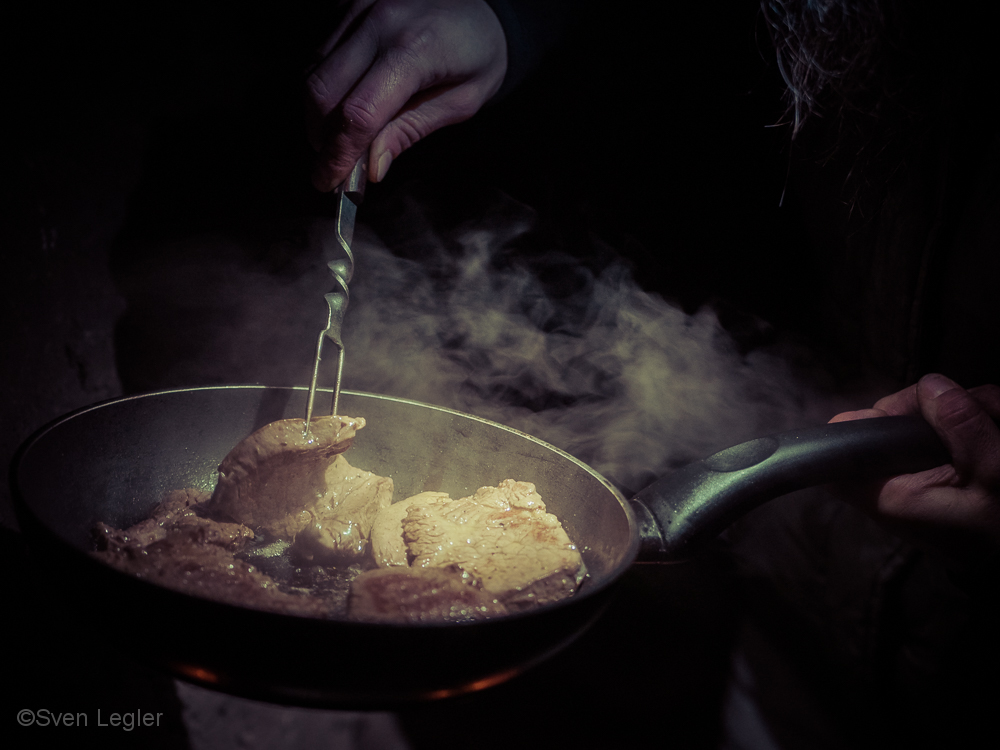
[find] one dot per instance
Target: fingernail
(937, 384)
(384, 162)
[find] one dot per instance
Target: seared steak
(405, 595)
(340, 522)
(181, 550)
(268, 479)
(501, 538)
(388, 547)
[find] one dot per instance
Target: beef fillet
(267, 481)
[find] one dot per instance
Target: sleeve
(532, 28)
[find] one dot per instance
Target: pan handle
(680, 513)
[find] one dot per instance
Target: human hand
(954, 510)
(393, 72)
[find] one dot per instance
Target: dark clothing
(532, 29)
(854, 637)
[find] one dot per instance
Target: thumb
(967, 431)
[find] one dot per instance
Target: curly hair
(830, 53)
(872, 71)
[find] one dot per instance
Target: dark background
(638, 136)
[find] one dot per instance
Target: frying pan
(114, 461)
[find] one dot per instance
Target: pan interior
(115, 461)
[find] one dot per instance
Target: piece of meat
(388, 547)
(267, 481)
(503, 538)
(413, 595)
(181, 550)
(177, 511)
(207, 570)
(340, 522)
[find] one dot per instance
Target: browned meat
(440, 560)
(410, 595)
(341, 521)
(501, 538)
(388, 547)
(293, 487)
(181, 550)
(177, 511)
(268, 480)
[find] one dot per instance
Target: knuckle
(971, 436)
(318, 91)
(398, 22)
(404, 42)
(956, 410)
(339, 163)
(404, 133)
(405, 58)
(388, 14)
(359, 115)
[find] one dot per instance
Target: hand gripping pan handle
(680, 513)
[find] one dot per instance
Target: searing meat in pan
(388, 546)
(292, 527)
(269, 478)
(402, 594)
(503, 538)
(339, 523)
(499, 542)
(182, 550)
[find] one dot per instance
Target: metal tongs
(348, 196)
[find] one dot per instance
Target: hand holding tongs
(349, 196)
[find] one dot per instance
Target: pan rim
(629, 557)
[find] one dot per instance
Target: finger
(988, 397)
(333, 79)
(905, 402)
(850, 416)
(966, 429)
(365, 111)
(912, 495)
(898, 404)
(355, 14)
(368, 78)
(426, 112)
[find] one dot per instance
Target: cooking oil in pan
(331, 583)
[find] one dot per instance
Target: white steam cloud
(610, 373)
(589, 362)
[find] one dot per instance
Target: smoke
(481, 317)
(584, 359)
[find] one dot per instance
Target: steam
(583, 359)
(610, 373)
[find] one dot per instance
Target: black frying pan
(114, 461)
